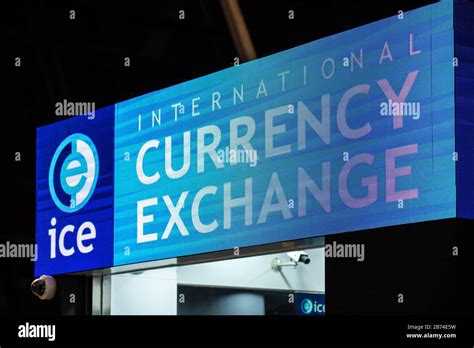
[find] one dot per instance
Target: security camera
(299, 256)
(44, 287)
(295, 258)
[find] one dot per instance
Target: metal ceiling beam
(238, 28)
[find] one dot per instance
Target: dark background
(82, 60)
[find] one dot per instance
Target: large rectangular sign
(350, 132)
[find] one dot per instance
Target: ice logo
(73, 173)
(307, 306)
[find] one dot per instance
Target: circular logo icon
(73, 173)
(306, 306)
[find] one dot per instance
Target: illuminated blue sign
(311, 304)
(74, 194)
(346, 133)
(350, 132)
